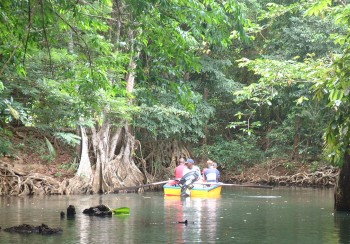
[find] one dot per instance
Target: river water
(240, 215)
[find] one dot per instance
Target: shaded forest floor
(30, 155)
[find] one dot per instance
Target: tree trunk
(113, 148)
(206, 130)
(84, 169)
(342, 188)
(114, 164)
(296, 138)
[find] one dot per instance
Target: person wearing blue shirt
(211, 174)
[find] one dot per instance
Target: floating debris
(27, 229)
(121, 211)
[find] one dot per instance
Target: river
(240, 215)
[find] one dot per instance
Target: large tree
(75, 64)
(334, 85)
(323, 75)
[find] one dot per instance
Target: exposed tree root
(163, 158)
(76, 185)
(323, 177)
(14, 183)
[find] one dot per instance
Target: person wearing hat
(191, 167)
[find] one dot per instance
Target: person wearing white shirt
(191, 167)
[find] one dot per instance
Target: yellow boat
(196, 191)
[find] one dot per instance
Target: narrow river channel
(240, 215)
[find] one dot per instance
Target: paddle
(121, 211)
(239, 185)
(140, 186)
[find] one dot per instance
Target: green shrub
(235, 153)
(5, 147)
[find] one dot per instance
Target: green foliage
(5, 147)
(310, 131)
(303, 36)
(170, 119)
(232, 154)
(65, 63)
(289, 166)
(51, 150)
(69, 138)
(67, 66)
(317, 7)
(73, 166)
(334, 86)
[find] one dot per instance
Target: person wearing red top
(180, 169)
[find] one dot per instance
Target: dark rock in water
(183, 222)
(62, 214)
(100, 210)
(70, 211)
(41, 229)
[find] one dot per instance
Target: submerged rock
(70, 211)
(99, 210)
(41, 229)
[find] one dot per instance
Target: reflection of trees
(201, 214)
(342, 224)
(193, 212)
(210, 218)
(174, 210)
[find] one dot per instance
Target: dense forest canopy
(137, 84)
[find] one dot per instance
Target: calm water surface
(240, 215)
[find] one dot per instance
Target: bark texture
(342, 189)
(114, 167)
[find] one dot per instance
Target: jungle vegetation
(134, 85)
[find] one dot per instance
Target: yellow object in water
(197, 191)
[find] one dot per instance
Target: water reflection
(238, 216)
(201, 215)
(342, 226)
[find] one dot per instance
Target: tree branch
(76, 32)
(45, 34)
(5, 65)
(28, 32)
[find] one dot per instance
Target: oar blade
(121, 211)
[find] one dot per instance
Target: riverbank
(29, 163)
(29, 174)
(285, 173)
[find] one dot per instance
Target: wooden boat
(198, 190)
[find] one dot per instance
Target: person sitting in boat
(212, 174)
(209, 163)
(179, 170)
(191, 167)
